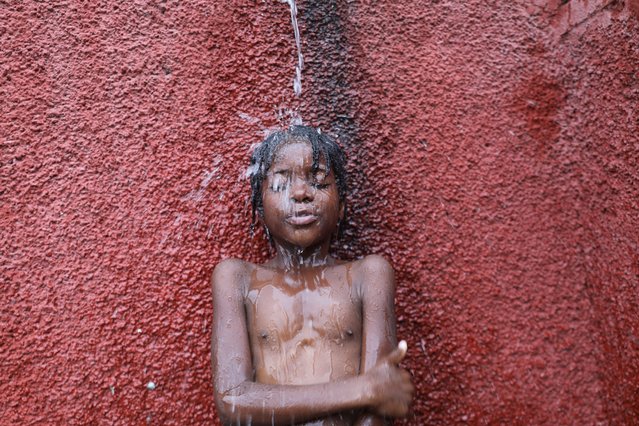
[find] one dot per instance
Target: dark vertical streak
(329, 70)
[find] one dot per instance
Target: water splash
(290, 117)
(198, 194)
(297, 81)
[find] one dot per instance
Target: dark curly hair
(322, 146)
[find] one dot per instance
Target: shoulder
(232, 266)
(374, 272)
(230, 271)
(374, 264)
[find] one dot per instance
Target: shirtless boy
(305, 338)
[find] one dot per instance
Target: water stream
(297, 81)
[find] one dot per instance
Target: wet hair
(322, 146)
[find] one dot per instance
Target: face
(301, 207)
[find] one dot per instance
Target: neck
(295, 258)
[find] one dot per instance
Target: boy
(305, 338)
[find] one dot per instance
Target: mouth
(302, 218)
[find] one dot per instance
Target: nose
(301, 191)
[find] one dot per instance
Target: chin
(303, 243)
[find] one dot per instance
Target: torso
(304, 328)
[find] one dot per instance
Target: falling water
(297, 81)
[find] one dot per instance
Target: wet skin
(305, 338)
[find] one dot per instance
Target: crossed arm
(381, 389)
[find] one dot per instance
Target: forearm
(259, 403)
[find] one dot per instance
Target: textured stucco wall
(494, 154)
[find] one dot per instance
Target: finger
(400, 410)
(396, 356)
(405, 375)
(393, 409)
(399, 353)
(409, 391)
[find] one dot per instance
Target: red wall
(493, 150)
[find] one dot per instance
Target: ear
(342, 210)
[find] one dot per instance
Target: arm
(379, 336)
(238, 398)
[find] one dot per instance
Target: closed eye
(279, 181)
(321, 185)
(319, 179)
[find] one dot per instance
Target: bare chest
(304, 308)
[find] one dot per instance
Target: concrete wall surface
(493, 150)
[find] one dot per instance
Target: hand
(391, 390)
